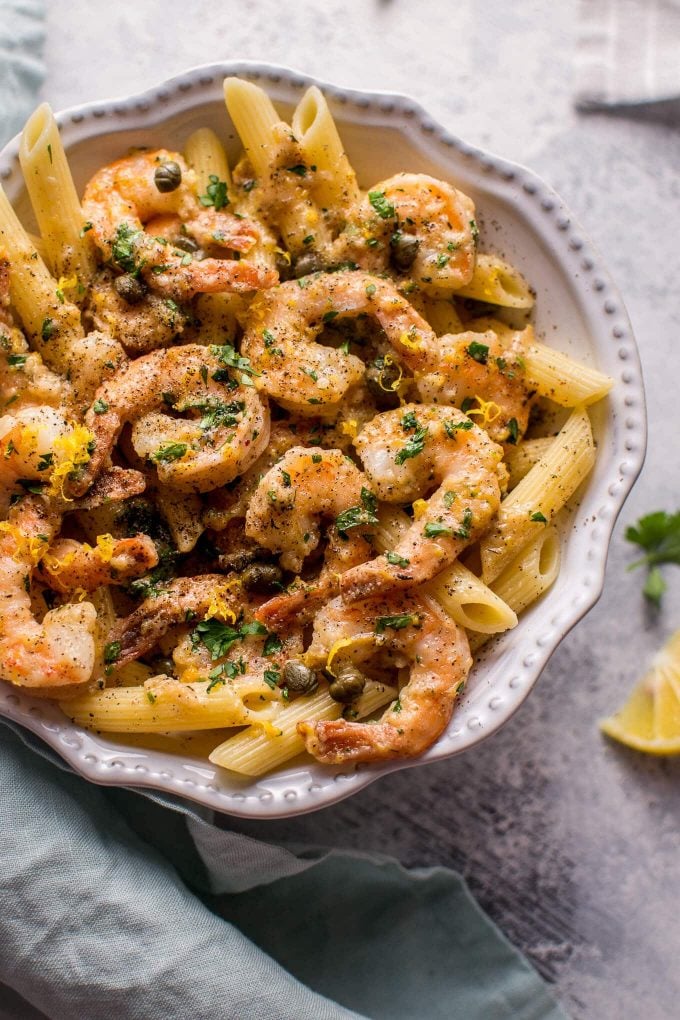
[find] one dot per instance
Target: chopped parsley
(216, 193)
(45, 461)
(300, 169)
(228, 356)
(539, 517)
(398, 622)
(442, 261)
(474, 231)
(370, 289)
(169, 452)
(381, 204)
(272, 645)
(396, 560)
(48, 329)
(478, 352)
(16, 360)
(272, 676)
(84, 229)
(100, 406)
(220, 637)
(123, 248)
(316, 458)
(434, 529)
(513, 431)
(329, 316)
(356, 516)
(112, 652)
(221, 415)
(451, 427)
(416, 442)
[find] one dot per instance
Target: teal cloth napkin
(134, 905)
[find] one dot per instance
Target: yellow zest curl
(70, 452)
(349, 427)
(488, 411)
(357, 641)
(388, 361)
(218, 603)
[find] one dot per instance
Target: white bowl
(578, 310)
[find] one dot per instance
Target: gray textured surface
(571, 844)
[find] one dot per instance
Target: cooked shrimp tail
(69, 565)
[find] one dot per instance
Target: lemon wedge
(650, 719)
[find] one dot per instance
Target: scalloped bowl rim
(308, 787)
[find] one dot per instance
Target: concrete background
(571, 844)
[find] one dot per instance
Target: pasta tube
(253, 115)
(256, 751)
(43, 309)
(520, 459)
(498, 283)
(467, 599)
(166, 704)
(313, 125)
(67, 248)
(540, 494)
(205, 154)
(530, 575)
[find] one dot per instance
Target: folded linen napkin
(132, 904)
(627, 52)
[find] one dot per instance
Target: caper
(186, 243)
(308, 262)
(403, 250)
(130, 288)
(380, 379)
(168, 176)
(163, 664)
(348, 685)
(284, 266)
(298, 677)
(262, 578)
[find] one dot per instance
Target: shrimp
(121, 198)
(414, 630)
(140, 322)
(228, 430)
(485, 370)
(283, 324)
(434, 452)
(181, 599)
(54, 658)
(68, 565)
(417, 225)
(306, 484)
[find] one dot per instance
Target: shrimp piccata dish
(277, 453)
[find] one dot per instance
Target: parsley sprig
(658, 534)
(356, 516)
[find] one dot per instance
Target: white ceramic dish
(578, 309)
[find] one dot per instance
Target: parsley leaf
(513, 431)
(355, 516)
(414, 446)
(434, 529)
(100, 406)
(112, 652)
(228, 356)
(169, 452)
(478, 352)
(398, 622)
(16, 360)
(123, 248)
(216, 193)
(658, 534)
(451, 427)
(381, 204)
(396, 560)
(539, 517)
(219, 637)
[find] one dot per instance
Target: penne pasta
(466, 598)
(442, 316)
(549, 372)
(67, 248)
(253, 115)
(335, 183)
(542, 492)
(497, 283)
(48, 317)
(528, 576)
(520, 459)
(166, 704)
(205, 154)
(565, 381)
(256, 750)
